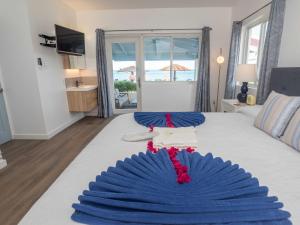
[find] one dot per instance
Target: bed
(231, 136)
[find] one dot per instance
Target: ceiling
(79, 5)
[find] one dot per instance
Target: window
(254, 43)
(170, 58)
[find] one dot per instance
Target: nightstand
(231, 105)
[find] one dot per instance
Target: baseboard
(49, 134)
(30, 136)
(64, 126)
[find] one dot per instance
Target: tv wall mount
(49, 41)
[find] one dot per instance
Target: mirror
(74, 62)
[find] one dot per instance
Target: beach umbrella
(175, 67)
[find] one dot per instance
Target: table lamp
(245, 73)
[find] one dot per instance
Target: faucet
(77, 83)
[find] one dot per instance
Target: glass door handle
(139, 82)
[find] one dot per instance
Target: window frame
(261, 41)
(172, 36)
(262, 19)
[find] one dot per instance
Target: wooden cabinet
(82, 101)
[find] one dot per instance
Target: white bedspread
(230, 136)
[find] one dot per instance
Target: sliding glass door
(124, 73)
(153, 72)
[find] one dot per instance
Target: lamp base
(242, 97)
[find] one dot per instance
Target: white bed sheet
(230, 136)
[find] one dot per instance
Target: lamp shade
(246, 73)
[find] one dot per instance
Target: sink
(83, 88)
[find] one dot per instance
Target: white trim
(49, 134)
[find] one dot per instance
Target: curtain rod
(155, 30)
(256, 11)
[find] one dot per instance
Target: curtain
(104, 101)
(233, 59)
(202, 103)
(271, 49)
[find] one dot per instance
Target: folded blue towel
(143, 190)
(179, 119)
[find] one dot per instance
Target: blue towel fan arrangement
(179, 119)
(143, 190)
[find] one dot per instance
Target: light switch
(39, 61)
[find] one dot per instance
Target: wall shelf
(49, 41)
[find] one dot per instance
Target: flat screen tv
(69, 41)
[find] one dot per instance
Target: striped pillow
(276, 113)
(292, 133)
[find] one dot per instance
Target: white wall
(35, 96)
(244, 8)
(19, 75)
(290, 43)
(43, 15)
(217, 18)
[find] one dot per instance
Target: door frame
(118, 39)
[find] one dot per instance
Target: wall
(19, 75)
(217, 18)
(43, 16)
(290, 43)
(244, 8)
(35, 96)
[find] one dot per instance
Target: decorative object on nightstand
(245, 73)
(251, 100)
(220, 61)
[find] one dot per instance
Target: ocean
(158, 75)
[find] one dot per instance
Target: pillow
(276, 113)
(292, 133)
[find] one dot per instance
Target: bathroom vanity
(82, 98)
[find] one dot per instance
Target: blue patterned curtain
(271, 49)
(202, 103)
(233, 59)
(104, 100)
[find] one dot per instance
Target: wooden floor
(33, 165)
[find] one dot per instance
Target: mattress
(231, 136)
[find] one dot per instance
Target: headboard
(286, 81)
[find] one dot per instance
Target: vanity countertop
(83, 88)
